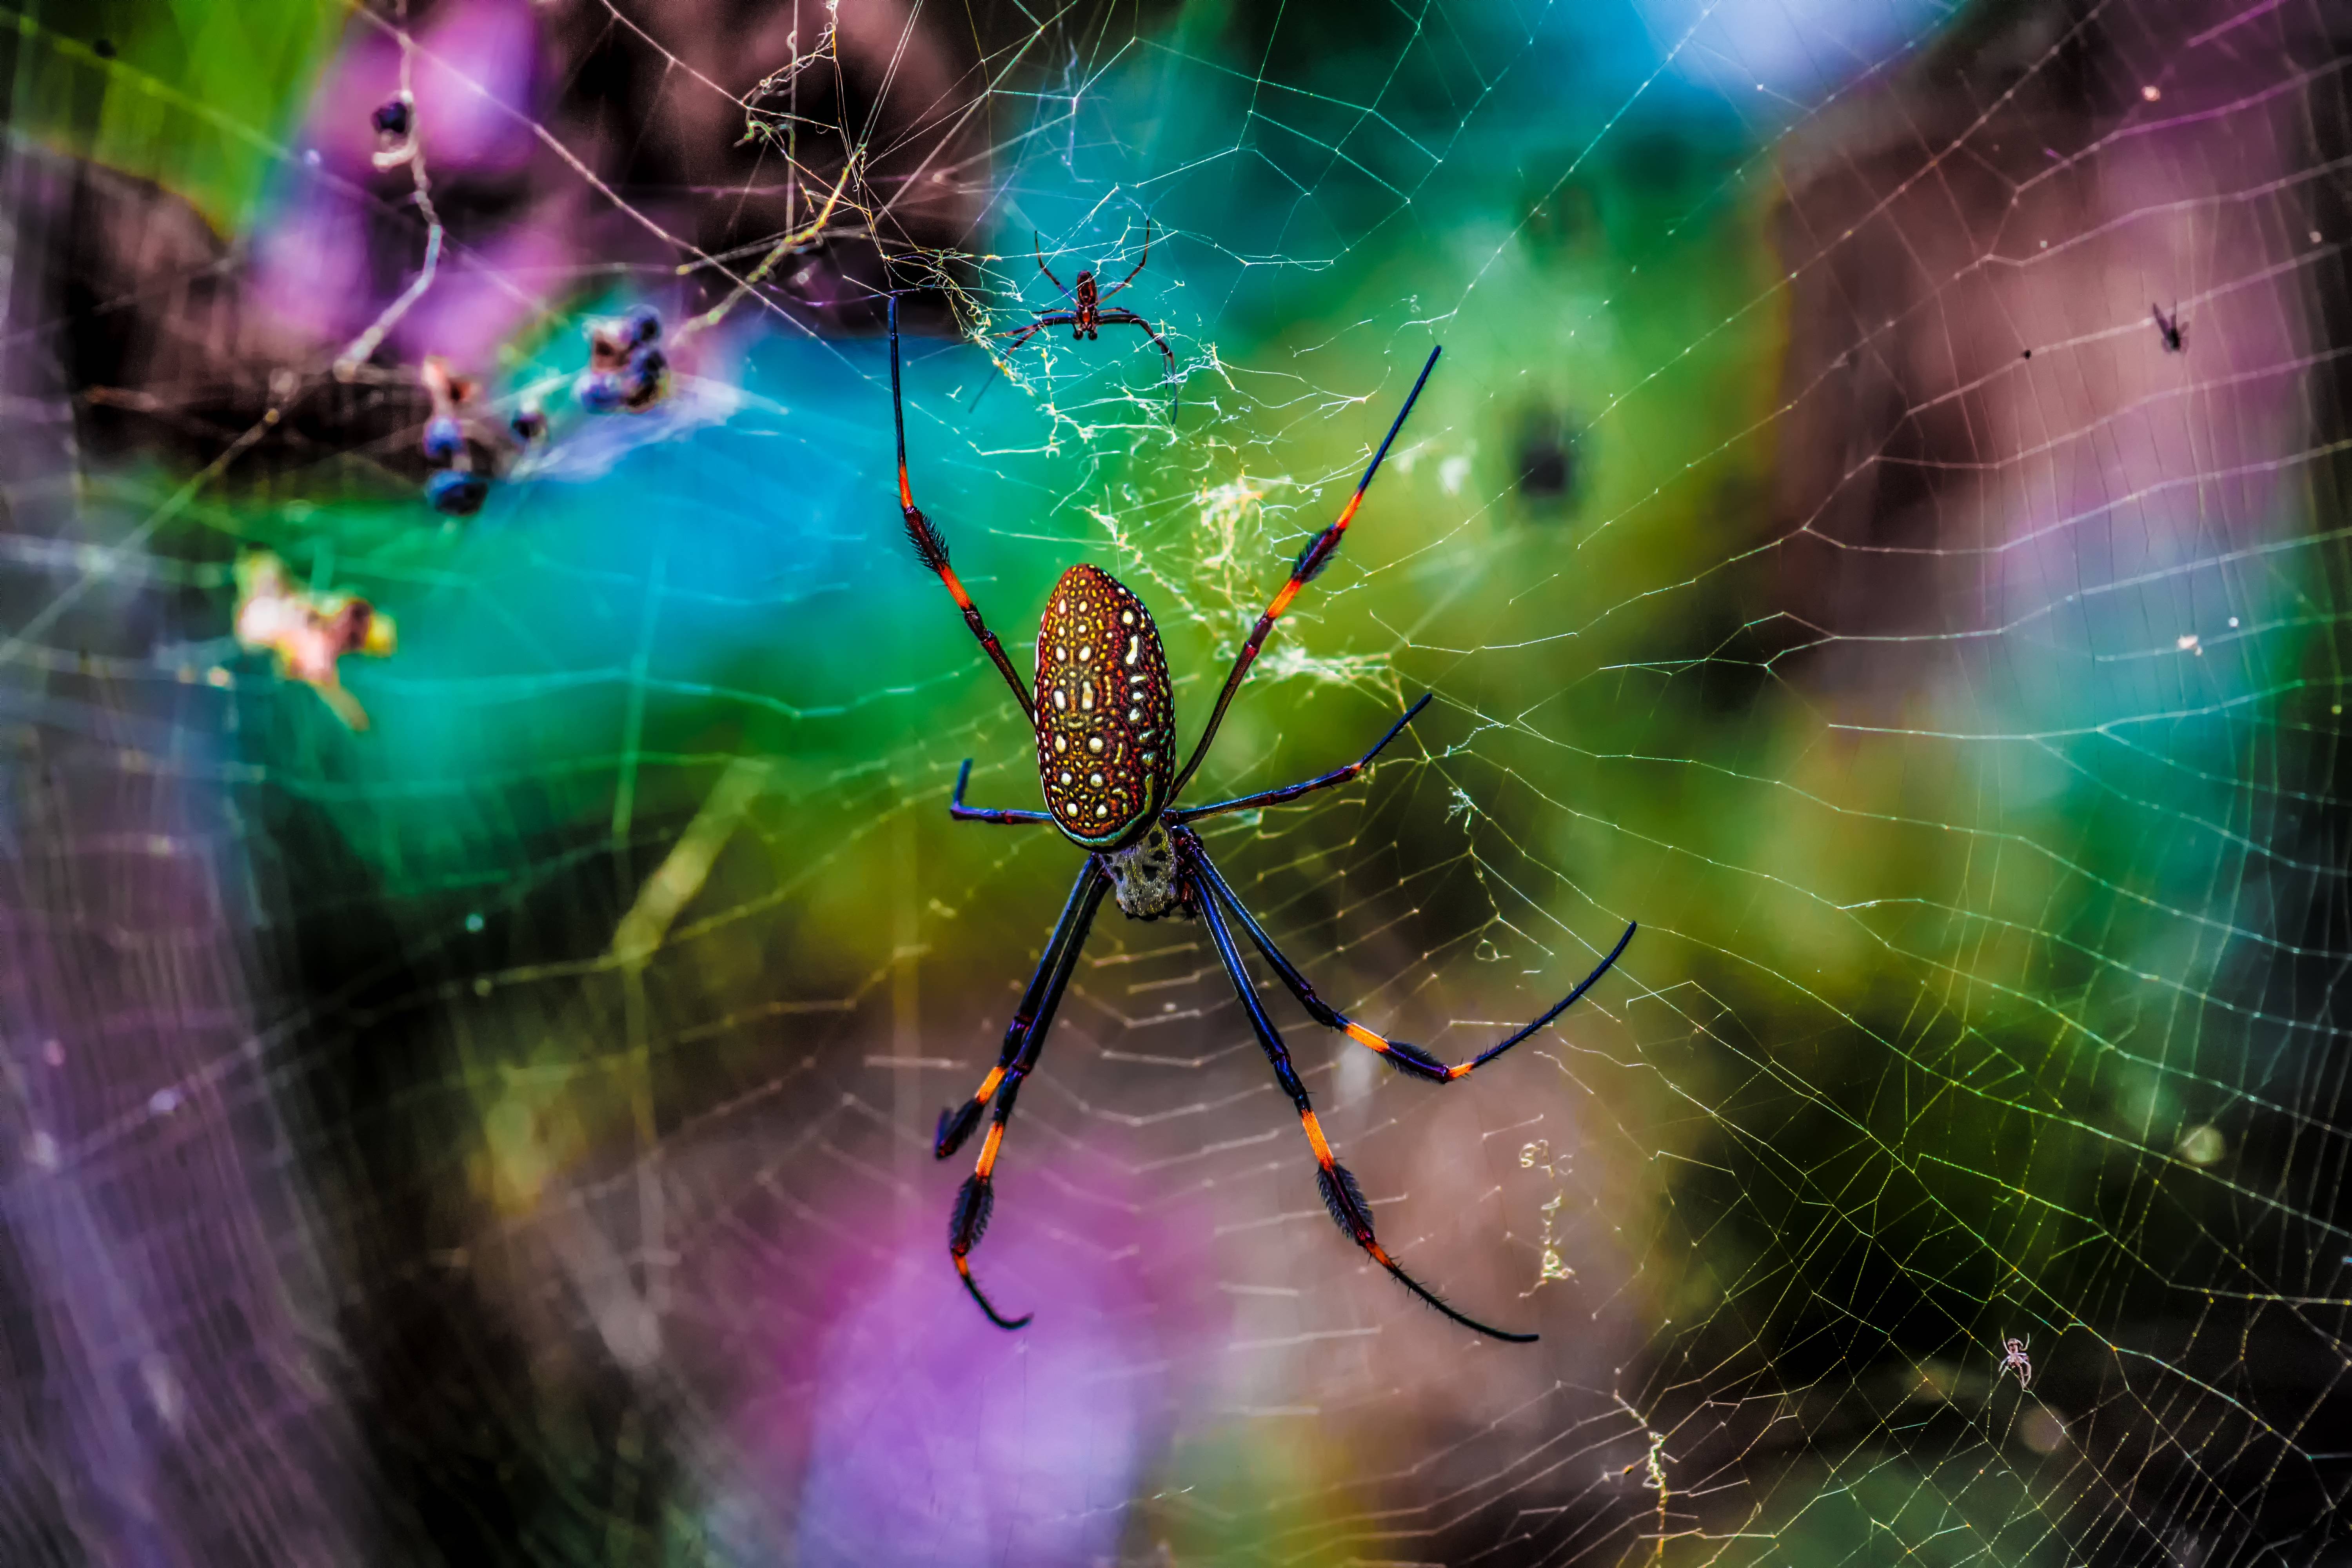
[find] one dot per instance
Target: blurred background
(1878, 522)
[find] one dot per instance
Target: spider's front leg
(1311, 562)
(931, 546)
(1138, 266)
(1037, 248)
(1020, 335)
(1000, 815)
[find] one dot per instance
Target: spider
(2168, 328)
(1086, 315)
(2014, 1359)
(1105, 721)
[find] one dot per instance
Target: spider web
(503, 1134)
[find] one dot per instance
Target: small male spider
(2014, 1359)
(1086, 315)
(2168, 327)
(1105, 721)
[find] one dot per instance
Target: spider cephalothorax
(1105, 728)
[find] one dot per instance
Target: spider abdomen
(1106, 721)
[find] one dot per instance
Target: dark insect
(1105, 726)
(2014, 1359)
(394, 121)
(2168, 328)
(391, 118)
(1086, 316)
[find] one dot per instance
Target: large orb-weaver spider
(1106, 729)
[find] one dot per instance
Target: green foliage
(194, 95)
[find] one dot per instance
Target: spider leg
(1037, 248)
(1292, 791)
(1138, 268)
(1125, 318)
(1024, 1039)
(1038, 1000)
(963, 812)
(1018, 335)
(931, 546)
(1410, 1060)
(1341, 1195)
(1044, 318)
(1311, 560)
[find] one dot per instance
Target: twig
(362, 348)
(776, 253)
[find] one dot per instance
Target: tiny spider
(1105, 721)
(2168, 327)
(1085, 317)
(2014, 1359)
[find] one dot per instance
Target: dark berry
(455, 493)
(645, 379)
(443, 439)
(599, 391)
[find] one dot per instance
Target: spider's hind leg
(1024, 1039)
(1410, 1061)
(974, 1201)
(1035, 1013)
(1341, 1195)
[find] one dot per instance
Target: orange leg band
(1315, 1136)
